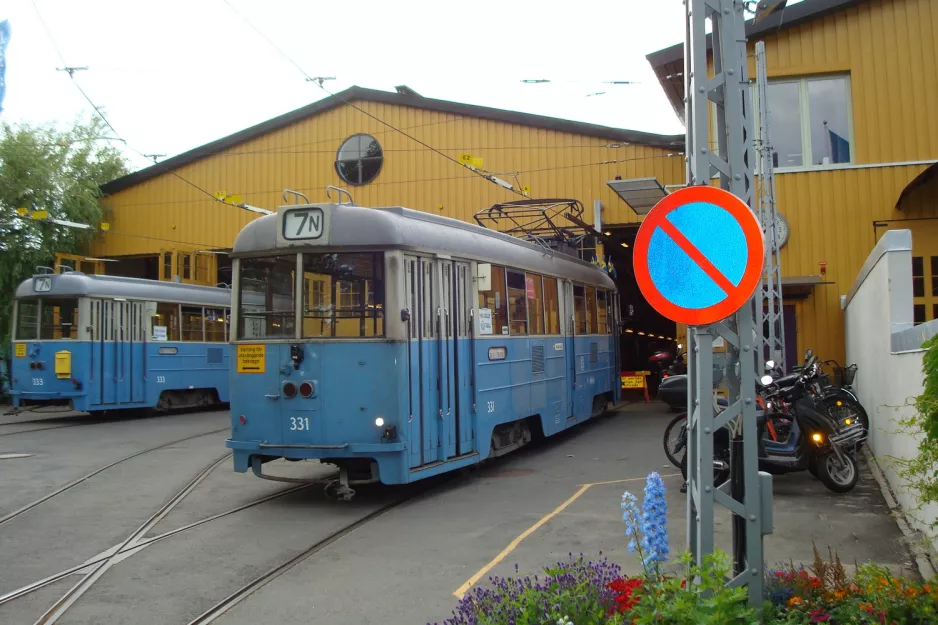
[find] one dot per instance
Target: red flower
(627, 593)
(819, 616)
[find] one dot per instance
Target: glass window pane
(192, 323)
(785, 123)
(359, 159)
(59, 319)
(591, 309)
(579, 307)
(918, 276)
(827, 112)
(535, 303)
(602, 311)
(343, 295)
(496, 301)
(167, 265)
(919, 313)
(214, 325)
(517, 303)
(267, 297)
(27, 320)
(552, 305)
(167, 317)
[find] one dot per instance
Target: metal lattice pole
(774, 341)
(728, 90)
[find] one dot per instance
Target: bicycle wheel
(675, 450)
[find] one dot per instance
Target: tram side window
(27, 320)
(59, 319)
(551, 306)
(535, 296)
(602, 312)
(267, 297)
(579, 307)
(591, 310)
(192, 323)
(496, 301)
(215, 325)
(166, 322)
(517, 303)
(343, 295)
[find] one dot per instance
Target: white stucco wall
(883, 343)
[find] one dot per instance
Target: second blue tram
(105, 343)
(398, 344)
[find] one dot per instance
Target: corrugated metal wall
(302, 157)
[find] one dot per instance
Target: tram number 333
(299, 423)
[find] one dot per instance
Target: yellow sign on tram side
(251, 358)
(20, 350)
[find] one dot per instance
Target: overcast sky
(176, 74)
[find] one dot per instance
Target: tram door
(136, 351)
(463, 302)
(105, 333)
(432, 401)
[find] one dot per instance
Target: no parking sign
(699, 255)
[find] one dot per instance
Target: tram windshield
(343, 296)
(46, 319)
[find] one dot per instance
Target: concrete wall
(882, 340)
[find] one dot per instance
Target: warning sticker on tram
(21, 350)
(251, 358)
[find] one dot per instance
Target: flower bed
(583, 592)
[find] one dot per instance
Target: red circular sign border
(752, 275)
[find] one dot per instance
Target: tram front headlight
(379, 422)
(289, 390)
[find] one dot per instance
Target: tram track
(62, 605)
(232, 600)
(12, 515)
(140, 545)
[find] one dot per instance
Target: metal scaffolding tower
(770, 313)
(748, 492)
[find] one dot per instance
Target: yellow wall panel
(167, 211)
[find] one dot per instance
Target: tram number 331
(299, 423)
(491, 406)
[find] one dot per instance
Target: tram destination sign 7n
(699, 255)
(303, 224)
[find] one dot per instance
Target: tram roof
(77, 284)
(356, 227)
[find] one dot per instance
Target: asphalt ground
(404, 565)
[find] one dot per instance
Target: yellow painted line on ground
(517, 541)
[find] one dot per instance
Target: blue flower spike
(654, 521)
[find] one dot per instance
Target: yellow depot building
(852, 94)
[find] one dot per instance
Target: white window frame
(804, 106)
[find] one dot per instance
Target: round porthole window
(359, 159)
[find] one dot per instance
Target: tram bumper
(389, 456)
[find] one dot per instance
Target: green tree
(56, 170)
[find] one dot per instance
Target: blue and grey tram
(106, 343)
(398, 344)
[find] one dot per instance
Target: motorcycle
(838, 399)
(811, 438)
(678, 367)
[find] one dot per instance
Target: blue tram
(102, 343)
(398, 344)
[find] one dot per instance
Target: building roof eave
(407, 98)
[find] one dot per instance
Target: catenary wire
(441, 179)
(98, 112)
(319, 81)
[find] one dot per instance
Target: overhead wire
(98, 112)
(445, 179)
(319, 80)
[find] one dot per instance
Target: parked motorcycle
(809, 437)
